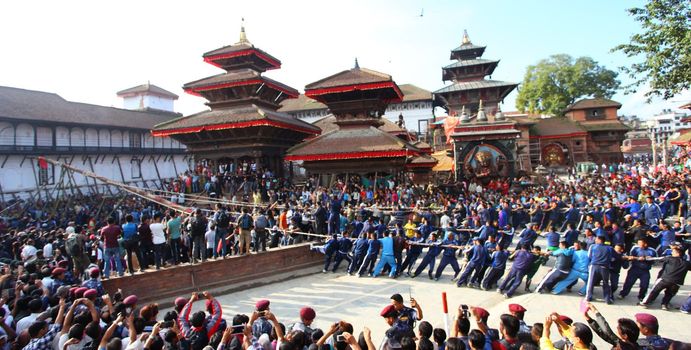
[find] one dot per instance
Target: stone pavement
(359, 301)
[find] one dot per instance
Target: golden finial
(466, 38)
(243, 35)
(481, 116)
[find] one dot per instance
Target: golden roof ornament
(243, 35)
(466, 38)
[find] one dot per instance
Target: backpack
(198, 227)
(223, 219)
(245, 222)
(73, 247)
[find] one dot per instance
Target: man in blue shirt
(387, 256)
(448, 256)
(651, 211)
(498, 265)
(600, 256)
(359, 253)
(528, 236)
(414, 252)
(431, 256)
(579, 270)
(478, 256)
(344, 246)
(131, 241)
(571, 235)
(561, 268)
(373, 246)
(639, 270)
(522, 260)
(666, 236)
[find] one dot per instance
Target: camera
(167, 324)
(261, 313)
(200, 295)
(340, 338)
(464, 310)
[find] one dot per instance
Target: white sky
(87, 50)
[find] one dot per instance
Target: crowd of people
(624, 217)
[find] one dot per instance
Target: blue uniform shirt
(527, 236)
(552, 239)
(580, 260)
(387, 245)
(414, 248)
(522, 260)
(361, 246)
(344, 245)
(449, 251)
(600, 255)
(435, 249)
(479, 255)
(667, 237)
(373, 246)
(499, 259)
(638, 252)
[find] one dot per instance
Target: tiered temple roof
(357, 98)
(243, 120)
(469, 84)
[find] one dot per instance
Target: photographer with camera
(197, 330)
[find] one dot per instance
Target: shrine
(357, 98)
(484, 143)
(243, 122)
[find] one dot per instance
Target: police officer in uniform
(407, 315)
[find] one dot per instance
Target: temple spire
(481, 116)
(243, 35)
(357, 65)
(466, 38)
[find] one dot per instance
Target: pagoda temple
(482, 139)
(358, 99)
(243, 122)
(469, 84)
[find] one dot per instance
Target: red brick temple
(243, 122)
(358, 99)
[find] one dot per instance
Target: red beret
(388, 311)
(130, 300)
(58, 271)
(91, 293)
(94, 272)
(646, 319)
(262, 305)
(180, 301)
(80, 292)
(92, 238)
(63, 263)
(482, 313)
(72, 290)
(516, 308)
(307, 313)
(565, 319)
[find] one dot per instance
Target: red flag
(449, 124)
(42, 163)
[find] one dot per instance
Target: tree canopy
(554, 83)
(664, 45)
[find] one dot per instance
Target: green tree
(554, 83)
(665, 46)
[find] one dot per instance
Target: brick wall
(182, 280)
